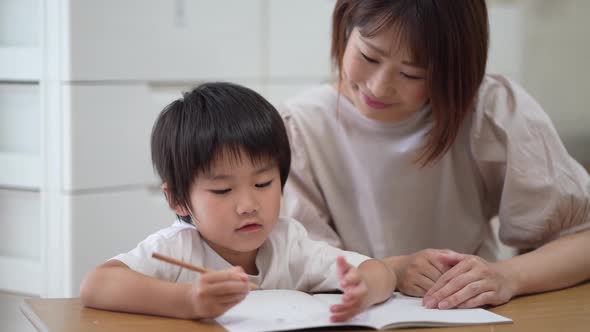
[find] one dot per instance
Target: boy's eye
(264, 184)
(369, 60)
(220, 191)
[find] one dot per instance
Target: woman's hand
(356, 292)
(417, 273)
(473, 282)
(215, 292)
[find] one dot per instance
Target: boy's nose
(247, 205)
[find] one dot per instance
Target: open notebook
(280, 310)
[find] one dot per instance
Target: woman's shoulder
(321, 98)
(504, 103)
(310, 114)
(498, 93)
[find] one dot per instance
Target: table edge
(33, 318)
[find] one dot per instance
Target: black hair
(214, 118)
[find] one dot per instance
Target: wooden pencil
(189, 266)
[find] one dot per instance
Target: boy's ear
(177, 208)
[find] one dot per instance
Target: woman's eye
(264, 184)
(220, 191)
(410, 77)
(369, 60)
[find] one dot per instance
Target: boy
(223, 155)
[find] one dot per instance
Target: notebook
(281, 310)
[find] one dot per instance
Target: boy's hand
(355, 297)
(215, 292)
(423, 269)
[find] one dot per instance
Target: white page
(279, 310)
(401, 311)
(276, 310)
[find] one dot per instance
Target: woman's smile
(373, 103)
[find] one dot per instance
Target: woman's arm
(417, 273)
(539, 192)
(474, 282)
(558, 264)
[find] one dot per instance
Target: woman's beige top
(354, 183)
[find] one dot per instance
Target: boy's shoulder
(287, 229)
(176, 229)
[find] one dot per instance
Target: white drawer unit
(81, 84)
(159, 40)
(19, 136)
(19, 39)
(277, 93)
(20, 241)
(299, 39)
(107, 135)
(20, 63)
(106, 224)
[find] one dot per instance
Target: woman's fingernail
(430, 303)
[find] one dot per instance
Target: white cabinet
(299, 39)
(19, 40)
(163, 40)
(81, 84)
(19, 136)
(20, 165)
(19, 63)
(107, 135)
(108, 223)
(20, 241)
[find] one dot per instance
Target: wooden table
(565, 310)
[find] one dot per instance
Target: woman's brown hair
(448, 37)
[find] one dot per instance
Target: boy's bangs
(248, 131)
(235, 154)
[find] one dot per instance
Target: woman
(414, 147)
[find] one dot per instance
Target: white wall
(545, 46)
(556, 66)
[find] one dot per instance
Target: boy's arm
(114, 286)
(372, 282)
(381, 281)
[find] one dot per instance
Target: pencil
(190, 266)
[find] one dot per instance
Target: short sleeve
(538, 189)
(167, 242)
(302, 197)
(313, 263)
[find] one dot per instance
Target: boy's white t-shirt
(288, 259)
